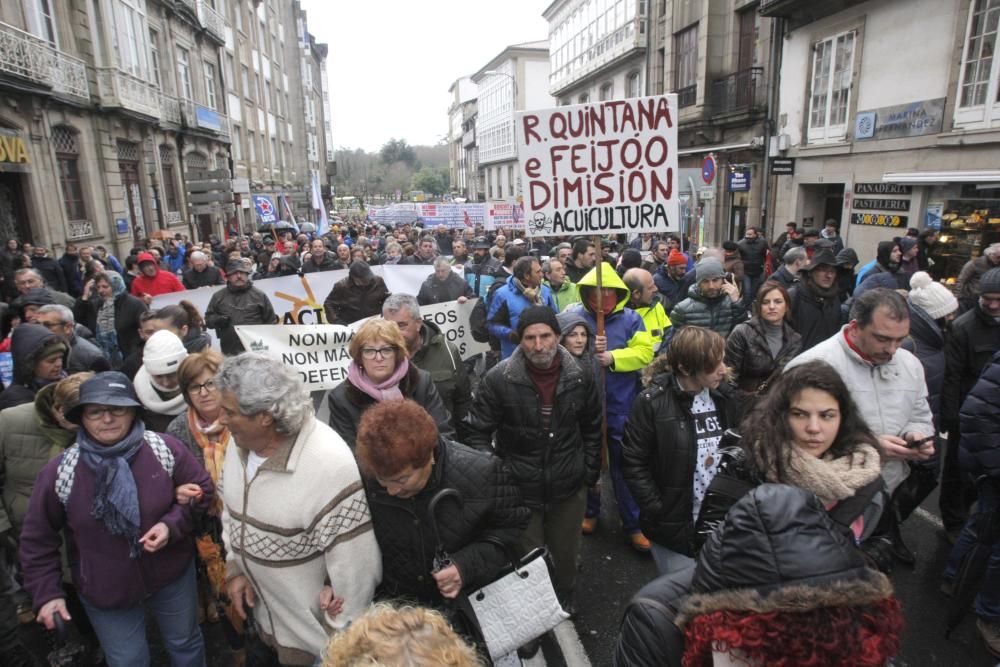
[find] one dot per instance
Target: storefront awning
(697, 150)
(941, 177)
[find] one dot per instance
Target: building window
(245, 79)
(607, 91)
(632, 85)
(830, 90)
(237, 145)
(230, 72)
(41, 21)
(489, 182)
(184, 73)
(510, 180)
(130, 30)
(583, 99)
(210, 85)
(979, 85)
(251, 147)
(154, 57)
(67, 157)
(686, 66)
(169, 178)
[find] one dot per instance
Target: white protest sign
(299, 299)
(319, 352)
(601, 168)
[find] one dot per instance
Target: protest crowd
(768, 414)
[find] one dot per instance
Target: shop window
(978, 87)
(64, 140)
(830, 87)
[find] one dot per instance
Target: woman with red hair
(777, 583)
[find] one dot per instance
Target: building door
(133, 198)
(833, 207)
(13, 219)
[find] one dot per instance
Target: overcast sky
(391, 62)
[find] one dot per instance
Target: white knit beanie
(163, 353)
(936, 300)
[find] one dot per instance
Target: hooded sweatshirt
(28, 343)
(628, 341)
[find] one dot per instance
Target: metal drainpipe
(770, 124)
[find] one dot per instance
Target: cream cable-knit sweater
(303, 519)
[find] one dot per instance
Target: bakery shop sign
(13, 152)
(880, 197)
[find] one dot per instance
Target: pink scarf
(387, 390)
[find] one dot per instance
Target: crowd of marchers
(768, 413)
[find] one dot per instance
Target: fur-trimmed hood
(779, 550)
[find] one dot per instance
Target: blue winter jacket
(979, 451)
(505, 309)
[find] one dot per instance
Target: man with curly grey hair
(295, 512)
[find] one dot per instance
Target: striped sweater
(301, 520)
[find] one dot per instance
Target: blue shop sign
(738, 181)
(207, 118)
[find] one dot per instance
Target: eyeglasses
(208, 387)
(51, 325)
(95, 412)
(380, 352)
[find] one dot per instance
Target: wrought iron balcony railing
(25, 56)
(121, 89)
(739, 91)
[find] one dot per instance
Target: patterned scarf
(116, 498)
(532, 294)
(213, 441)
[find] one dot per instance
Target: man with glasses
(430, 351)
(27, 279)
(239, 303)
(83, 355)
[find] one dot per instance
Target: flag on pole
(288, 212)
(317, 203)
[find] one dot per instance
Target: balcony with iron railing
(119, 89)
(24, 56)
(739, 92)
(212, 21)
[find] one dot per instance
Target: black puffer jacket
(980, 444)
(749, 356)
(815, 317)
(211, 275)
(347, 403)
(549, 466)
(439, 291)
(349, 302)
(229, 307)
(926, 341)
(753, 254)
(868, 503)
(719, 313)
(647, 636)
(491, 507)
(659, 454)
(974, 337)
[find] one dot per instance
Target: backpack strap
(163, 453)
(66, 473)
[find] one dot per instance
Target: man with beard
(481, 271)
(152, 280)
(582, 259)
(660, 252)
(669, 279)
(239, 303)
(713, 302)
(753, 252)
(459, 254)
(552, 447)
(816, 311)
(523, 290)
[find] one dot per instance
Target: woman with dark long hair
(757, 350)
(807, 433)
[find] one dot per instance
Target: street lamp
(513, 108)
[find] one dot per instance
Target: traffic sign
(708, 169)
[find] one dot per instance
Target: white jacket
(302, 519)
(892, 397)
